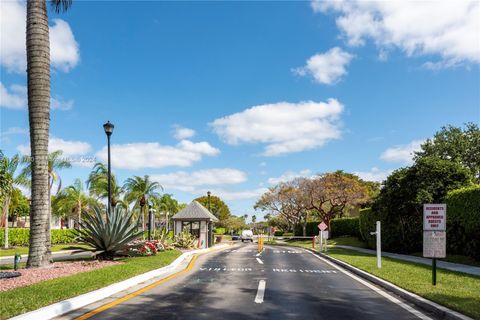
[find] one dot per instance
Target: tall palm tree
(73, 201)
(55, 163)
(139, 190)
(38, 80)
(8, 167)
(97, 184)
(166, 205)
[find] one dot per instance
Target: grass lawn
(457, 291)
(24, 250)
(41, 294)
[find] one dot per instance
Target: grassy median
(21, 300)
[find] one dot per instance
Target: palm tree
(73, 201)
(138, 190)
(97, 184)
(8, 167)
(38, 79)
(167, 205)
(54, 164)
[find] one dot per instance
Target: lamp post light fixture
(150, 213)
(108, 127)
(208, 196)
(209, 226)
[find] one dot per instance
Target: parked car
(235, 236)
(247, 235)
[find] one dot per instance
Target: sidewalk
(56, 256)
(441, 264)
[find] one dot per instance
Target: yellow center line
(140, 291)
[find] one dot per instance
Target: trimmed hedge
(463, 221)
(339, 226)
(345, 227)
(21, 236)
(367, 224)
(278, 233)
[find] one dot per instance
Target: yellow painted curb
(142, 290)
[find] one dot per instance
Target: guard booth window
(192, 227)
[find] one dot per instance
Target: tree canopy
(217, 207)
(455, 144)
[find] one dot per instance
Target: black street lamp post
(209, 227)
(108, 127)
(150, 212)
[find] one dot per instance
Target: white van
(247, 235)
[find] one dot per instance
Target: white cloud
(285, 127)
(190, 181)
(183, 133)
(402, 153)
(449, 29)
(64, 50)
(328, 67)
(69, 147)
(154, 155)
(375, 174)
(15, 98)
(289, 176)
(60, 104)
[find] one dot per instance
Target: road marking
(259, 261)
(136, 293)
(374, 288)
(260, 291)
(260, 253)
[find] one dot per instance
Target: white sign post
(434, 235)
(378, 234)
(322, 226)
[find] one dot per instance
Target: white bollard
(378, 234)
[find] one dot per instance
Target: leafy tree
(97, 184)
(400, 203)
(19, 206)
(165, 205)
(38, 80)
(73, 201)
(217, 207)
(139, 190)
(457, 145)
(330, 194)
(235, 223)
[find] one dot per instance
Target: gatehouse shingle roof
(195, 211)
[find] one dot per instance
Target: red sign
(322, 226)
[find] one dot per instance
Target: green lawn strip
(455, 259)
(21, 300)
(24, 250)
(455, 290)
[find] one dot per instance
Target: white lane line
(259, 261)
(374, 288)
(260, 291)
(260, 253)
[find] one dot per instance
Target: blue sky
(268, 90)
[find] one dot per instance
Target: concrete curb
(65, 306)
(430, 306)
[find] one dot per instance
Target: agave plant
(108, 233)
(185, 240)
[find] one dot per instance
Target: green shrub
(367, 221)
(463, 221)
(345, 227)
(278, 233)
(219, 230)
(21, 236)
(288, 234)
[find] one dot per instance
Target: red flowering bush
(144, 248)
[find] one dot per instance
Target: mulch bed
(57, 270)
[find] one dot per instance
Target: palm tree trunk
(38, 77)
(5, 214)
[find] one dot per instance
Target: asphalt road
(228, 285)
